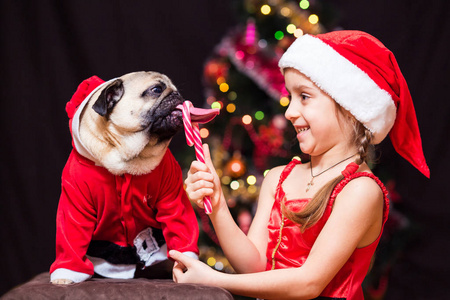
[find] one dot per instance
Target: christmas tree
(251, 134)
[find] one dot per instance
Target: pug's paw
(62, 281)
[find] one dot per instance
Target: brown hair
(315, 208)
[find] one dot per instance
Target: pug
(122, 205)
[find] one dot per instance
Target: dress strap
(352, 175)
(284, 174)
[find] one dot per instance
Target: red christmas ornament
(215, 69)
(235, 167)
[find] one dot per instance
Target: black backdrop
(48, 47)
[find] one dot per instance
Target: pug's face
(141, 102)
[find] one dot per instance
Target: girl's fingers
(183, 261)
(178, 270)
(198, 195)
(197, 166)
(199, 177)
(208, 160)
(200, 184)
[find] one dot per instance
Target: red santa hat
(362, 76)
(84, 89)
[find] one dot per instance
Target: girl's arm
(245, 253)
(355, 221)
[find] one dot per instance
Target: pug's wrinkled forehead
(148, 83)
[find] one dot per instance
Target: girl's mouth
(301, 131)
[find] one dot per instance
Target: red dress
(289, 248)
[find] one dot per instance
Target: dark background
(48, 47)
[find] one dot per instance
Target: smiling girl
(317, 224)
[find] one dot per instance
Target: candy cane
(193, 138)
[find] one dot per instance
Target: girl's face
(315, 116)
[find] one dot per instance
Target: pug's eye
(157, 89)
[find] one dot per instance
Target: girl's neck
(329, 158)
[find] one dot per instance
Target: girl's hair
(315, 208)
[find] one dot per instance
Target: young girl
(317, 224)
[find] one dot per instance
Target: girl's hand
(202, 180)
(190, 270)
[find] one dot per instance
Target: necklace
(311, 183)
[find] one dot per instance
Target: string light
(252, 189)
(216, 104)
(239, 54)
(211, 261)
(286, 12)
(220, 80)
(224, 87)
(262, 43)
(250, 64)
(291, 28)
(232, 96)
(210, 100)
(313, 19)
(265, 9)
(231, 202)
(265, 172)
(218, 266)
(251, 180)
(279, 35)
(231, 108)
(236, 167)
(247, 119)
(284, 101)
(234, 185)
(298, 32)
(226, 180)
(304, 4)
(259, 115)
(204, 133)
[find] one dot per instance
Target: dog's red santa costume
(110, 223)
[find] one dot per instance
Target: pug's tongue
(201, 115)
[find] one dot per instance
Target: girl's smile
(301, 131)
(314, 116)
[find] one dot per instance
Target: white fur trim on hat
(347, 84)
(81, 148)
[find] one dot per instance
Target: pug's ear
(108, 98)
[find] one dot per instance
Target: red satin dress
(289, 248)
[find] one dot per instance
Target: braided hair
(315, 208)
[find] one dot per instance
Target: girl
(317, 224)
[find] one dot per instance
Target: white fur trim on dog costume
(63, 273)
(106, 269)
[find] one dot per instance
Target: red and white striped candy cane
(192, 133)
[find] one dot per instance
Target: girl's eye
(304, 97)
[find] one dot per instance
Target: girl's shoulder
(365, 182)
(273, 175)
(363, 186)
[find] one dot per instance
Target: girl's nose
(292, 112)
